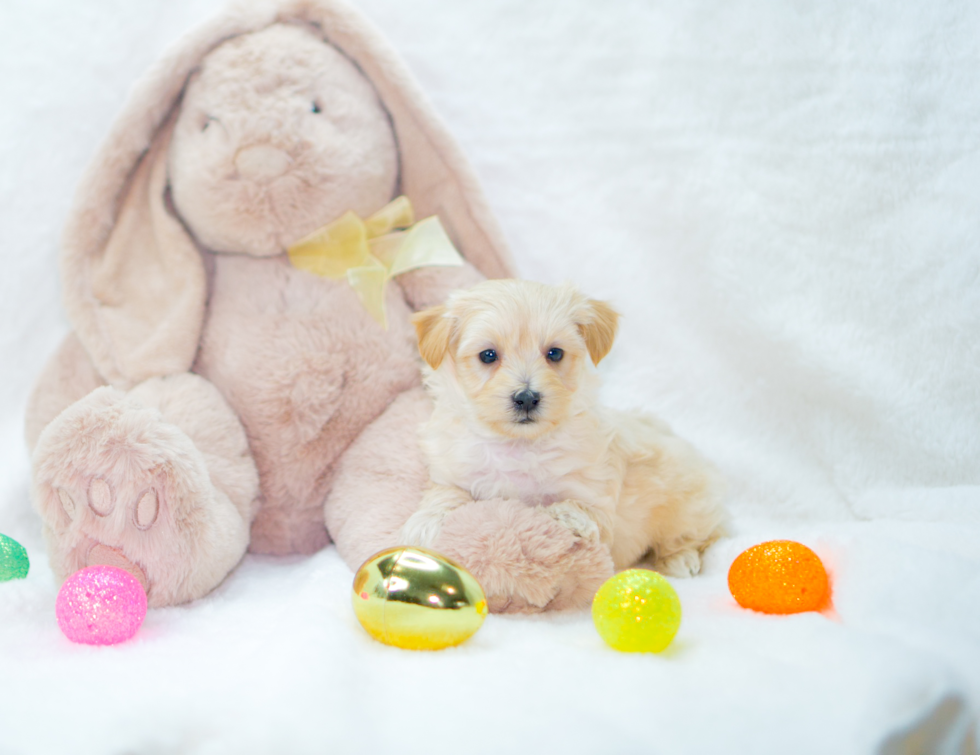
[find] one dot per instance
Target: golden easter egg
(417, 599)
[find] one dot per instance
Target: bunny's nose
(260, 162)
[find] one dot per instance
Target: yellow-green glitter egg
(637, 611)
(14, 563)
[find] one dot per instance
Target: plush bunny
(213, 398)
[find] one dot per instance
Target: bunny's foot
(525, 558)
(157, 481)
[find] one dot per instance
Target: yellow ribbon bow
(371, 252)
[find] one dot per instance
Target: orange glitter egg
(780, 576)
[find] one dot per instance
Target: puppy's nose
(526, 400)
(261, 162)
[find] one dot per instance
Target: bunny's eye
(315, 107)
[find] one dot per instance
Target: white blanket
(783, 199)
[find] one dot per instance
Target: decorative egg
(779, 576)
(637, 611)
(417, 599)
(14, 563)
(100, 605)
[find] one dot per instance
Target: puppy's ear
(598, 326)
(433, 329)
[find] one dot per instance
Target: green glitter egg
(14, 563)
(637, 611)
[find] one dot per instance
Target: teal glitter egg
(14, 563)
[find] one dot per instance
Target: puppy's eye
(207, 122)
(315, 107)
(555, 354)
(488, 357)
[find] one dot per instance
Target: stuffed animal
(213, 398)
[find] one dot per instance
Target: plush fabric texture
(250, 105)
(121, 228)
(162, 476)
(781, 200)
(298, 117)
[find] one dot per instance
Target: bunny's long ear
(134, 283)
(137, 299)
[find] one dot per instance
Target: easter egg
(14, 563)
(417, 599)
(100, 605)
(637, 611)
(779, 576)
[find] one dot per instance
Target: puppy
(510, 367)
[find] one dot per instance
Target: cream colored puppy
(516, 416)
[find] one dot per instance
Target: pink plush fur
(525, 560)
(213, 398)
(161, 476)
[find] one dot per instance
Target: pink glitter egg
(100, 605)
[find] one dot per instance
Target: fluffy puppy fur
(510, 367)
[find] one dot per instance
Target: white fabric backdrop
(784, 201)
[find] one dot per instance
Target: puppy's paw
(422, 528)
(575, 517)
(685, 563)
